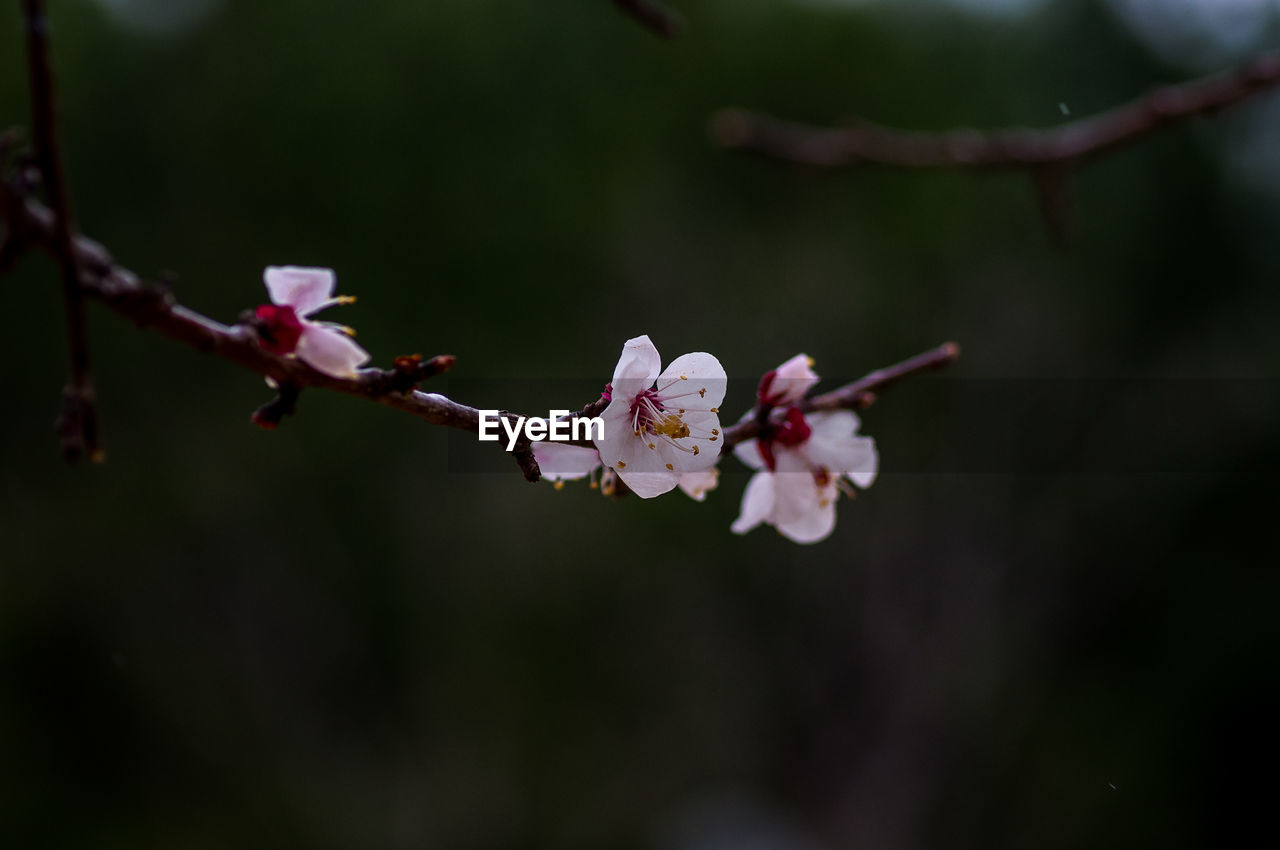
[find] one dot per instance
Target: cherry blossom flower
(656, 432)
(804, 460)
(802, 472)
(562, 462)
(285, 327)
(788, 383)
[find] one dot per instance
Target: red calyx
(790, 433)
(766, 381)
(794, 430)
(279, 328)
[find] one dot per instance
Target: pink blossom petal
(833, 424)
(835, 446)
(562, 462)
(617, 428)
(748, 451)
(331, 351)
(757, 503)
(698, 377)
(696, 485)
(636, 369)
(811, 526)
(792, 380)
(305, 289)
(804, 510)
(645, 470)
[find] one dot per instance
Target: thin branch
(78, 424)
(1014, 149)
(149, 307)
(653, 15)
(858, 395)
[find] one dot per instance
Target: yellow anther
(559, 485)
(621, 465)
(652, 446)
(715, 431)
(695, 450)
(345, 299)
(715, 410)
(702, 393)
(671, 426)
(670, 467)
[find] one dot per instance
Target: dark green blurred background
(335, 636)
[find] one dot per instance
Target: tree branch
(78, 423)
(857, 395)
(1014, 149)
(149, 307)
(653, 15)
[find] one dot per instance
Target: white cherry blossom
(802, 470)
(285, 326)
(788, 383)
(658, 427)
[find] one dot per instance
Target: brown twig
(857, 395)
(284, 404)
(78, 423)
(121, 291)
(653, 15)
(1015, 149)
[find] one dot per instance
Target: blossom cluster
(662, 427)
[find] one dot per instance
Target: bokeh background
(1050, 623)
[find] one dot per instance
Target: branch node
(77, 425)
(269, 415)
(410, 369)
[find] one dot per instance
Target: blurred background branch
(1069, 144)
(1046, 155)
(78, 423)
(654, 15)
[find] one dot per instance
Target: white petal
(795, 490)
(834, 446)
(636, 369)
(641, 468)
(757, 503)
(812, 526)
(696, 485)
(748, 451)
(617, 427)
(329, 350)
(803, 511)
(305, 289)
(792, 380)
(864, 478)
(562, 462)
(833, 424)
(700, 371)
